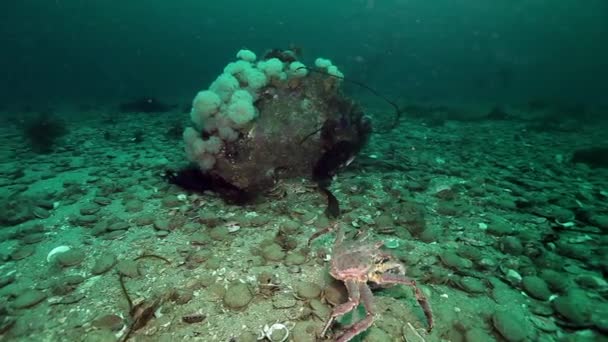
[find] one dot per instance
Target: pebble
(28, 298)
(33, 238)
(111, 322)
(73, 279)
(320, 310)
(308, 290)
(488, 263)
(71, 257)
(471, 285)
(477, 335)
(134, 206)
(375, 334)
(335, 293)
(162, 233)
(102, 201)
(511, 325)
(283, 301)
(454, 261)
(104, 263)
(87, 220)
(160, 224)
(500, 228)
(7, 278)
(558, 282)
(575, 307)
(544, 323)
(129, 268)
(513, 277)
(536, 287)
(23, 252)
(41, 213)
(220, 233)
(273, 252)
(199, 238)
(304, 331)
(511, 245)
(89, 209)
(237, 296)
(295, 259)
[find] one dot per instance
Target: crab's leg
(367, 298)
(353, 301)
(424, 303)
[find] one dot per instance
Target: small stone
(161, 224)
(33, 238)
(591, 282)
(134, 206)
(184, 296)
(511, 245)
(536, 287)
(112, 235)
(23, 252)
(144, 220)
(71, 257)
(488, 263)
(375, 334)
(102, 201)
(28, 299)
(73, 279)
(308, 290)
(237, 296)
(214, 263)
(500, 228)
(454, 261)
(41, 213)
(471, 285)
(99, 228)
(544, 323)
(430, 235)
(294, 269)
(273, 252)
(513, 277)
(6, 323)
(247, 336)
(335, 293)
(558, 282)
(575, 307)
(295, 259)
(511, 325)
(111, 322)
(477, 335)
(320, 309)
(304, 331)
(129, 268)
(600, 221)
(89, 209)
(87, 220)
(100, 335)
(220, 233)
(105, 262)
(171, 201)
(7, 278)
(283, 301)
(120, 225)
(199, 238)
(470, 252)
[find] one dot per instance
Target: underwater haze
(464, 50)
(304, 171)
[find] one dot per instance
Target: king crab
(357, 264)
